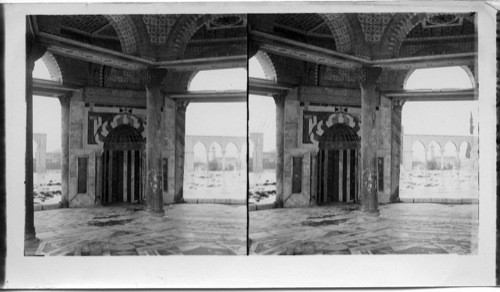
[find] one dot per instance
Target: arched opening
(215, 123)
(200, 156)
(231, 160)
(215, 157)
(337, 166)
(418, 154)
(262, 119)
(441, 78)
(122, 164)
(433, 156)
(46, 120)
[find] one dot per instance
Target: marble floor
(184, 229)
(343, 229)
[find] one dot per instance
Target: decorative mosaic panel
(423, 30)
(331, 76)
(456, 46)
(316, 123)
(159, 27)
(100, 124)
(338, 27)
(374, 25)
(87, 23)
(304, 22)
(127, 36)
(122, 76)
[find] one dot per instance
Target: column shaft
(180, 137)
(280, 146)
(65, 120)
(154, 185)
(34, 51)
(367, 78)
(29, 224)
(369, 197)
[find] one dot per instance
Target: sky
(229, 119)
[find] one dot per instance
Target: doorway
(123, 161)
(338, 160)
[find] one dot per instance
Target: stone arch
(341, 30)
(185, 27)
(330, 120)
(414, 150)
(231, 143)
(467, 151)
(466, 69)
(397, 30)
(449, 142)
(53, 66)
(127, 32)
(267, 65)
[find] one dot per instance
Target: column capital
(181, 105)
(65, 99)
(34, 50)
(279, 98)
(398, 103)
(368, 75)
(152, 77)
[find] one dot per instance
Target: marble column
(152, 79)
(180, 137)
(367, 79)
(34, 51)
(223, 160)
(396, 149)
(279, 100)
(442, 159)
(65, 110)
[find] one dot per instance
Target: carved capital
(181, 105)
(152, 77)
(279, 98)
(367, 74)
(398, 103)
(34, 50)
(65, 100)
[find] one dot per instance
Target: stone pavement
(342, 229)
(185, 229)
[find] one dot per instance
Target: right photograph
(363, 133)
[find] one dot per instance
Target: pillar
(442, 159)
(367, 78)
(223, 160)
(34, 51)
(65, 109)
(279, 100)
(180, 137)
(396, 149)
(152, 79)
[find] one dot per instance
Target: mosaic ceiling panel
(159, 27)
(453, 28)
(374, 25)
(304, 22)
(86, 23)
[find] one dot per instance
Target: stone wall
(79, 147)
(294, 146)
(76, 150)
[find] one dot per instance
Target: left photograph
(136, 135)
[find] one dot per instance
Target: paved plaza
(184, 229)
(342, 229)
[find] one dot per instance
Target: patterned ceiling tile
(159, 27)
(108, 31)
(374, 25)
(87, 23)
(304, 22)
